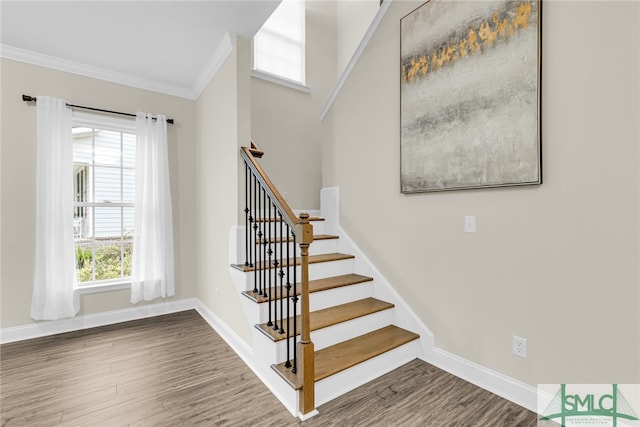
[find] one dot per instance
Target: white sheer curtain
(55, 273)
(152, 262)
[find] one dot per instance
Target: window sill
(280, 81)
(102, 287)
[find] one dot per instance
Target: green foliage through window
(112, 261)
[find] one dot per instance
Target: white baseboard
(305, 417)
(43, 329)
(234, 341)
(502, 385)
(243, 350)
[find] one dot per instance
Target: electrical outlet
(470, 224)
(520, 346)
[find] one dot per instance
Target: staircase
(352, 330)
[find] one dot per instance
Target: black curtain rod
(27, 98)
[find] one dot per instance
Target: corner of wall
(223, 122)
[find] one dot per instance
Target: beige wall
(18, 178)
(284, 121)
(222, 117)
(558, 263)
(353, 21)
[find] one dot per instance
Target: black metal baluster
(268, 269)
(247, 185)
(287, 364)
(294, 369)
(274, 242)
(250, 229)
(281, 275)
(255, 234)
(260, 263)
(263, 243)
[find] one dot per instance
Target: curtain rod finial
(27, 98)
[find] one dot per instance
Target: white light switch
(469, 224)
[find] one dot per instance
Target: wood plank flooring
(174, 370)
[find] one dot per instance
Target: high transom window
(278, 48)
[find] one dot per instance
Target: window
(278, 48)
(104, 192)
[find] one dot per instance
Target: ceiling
(168, 46)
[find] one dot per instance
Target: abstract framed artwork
(470, 95)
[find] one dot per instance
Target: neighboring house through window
(104, 160)
(279, 46)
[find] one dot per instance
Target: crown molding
(35, 58)
(354, 59)
(220, 55)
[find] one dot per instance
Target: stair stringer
(405, 317)
(262, 353)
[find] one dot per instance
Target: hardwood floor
(174, 370)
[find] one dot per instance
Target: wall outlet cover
(519, 346)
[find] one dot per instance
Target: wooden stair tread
(314, 286)
(313, 259)
(290, 239)
(329, 316)
(344, 355)
(325, 237)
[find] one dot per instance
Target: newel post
(306, 369)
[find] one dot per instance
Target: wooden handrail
(250, 155)
(255, 150)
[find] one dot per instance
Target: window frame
(112, 124)
(272, 77)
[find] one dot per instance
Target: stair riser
(323, 299)
(318, 227)
(320, 246)
(344, 331)
(349, 379)
(322, 270)
(263, 347)
(316, 271)
(335, 334)
(241, 282)
(342, 295)
(323, 246)
(264, 312)
(238, 242)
